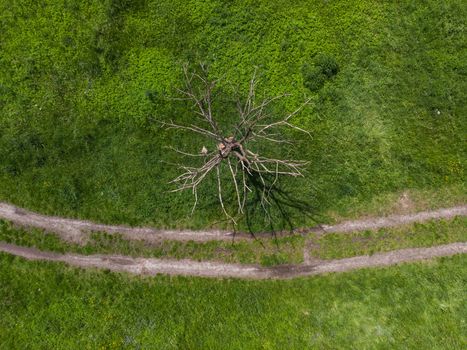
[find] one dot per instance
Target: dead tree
(236, 148)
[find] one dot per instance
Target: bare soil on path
(77, 230)
(150, 266)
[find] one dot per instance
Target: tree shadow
(281, 211)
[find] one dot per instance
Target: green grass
(266, 251)
(417, 235)
(412, 306)
(385, 204)
(285, 250)
(79, 87)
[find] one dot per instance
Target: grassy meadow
(413, 306)
(82, 85)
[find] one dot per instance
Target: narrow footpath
(77, 230)
(149, 266)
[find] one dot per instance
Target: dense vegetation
(81, 85)
(50, 306)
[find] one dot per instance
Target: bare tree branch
(194, 128)
(190, 154)
(243, 163)
(234, 179)
(220, 196)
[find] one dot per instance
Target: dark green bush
(322, 68)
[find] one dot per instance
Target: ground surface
(81, 87)
(76, 231)
(148, 266)
(414, 305)
(411, 306)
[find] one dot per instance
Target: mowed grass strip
(411, 306)
(264, 251)
(286, 250)
(427, 234)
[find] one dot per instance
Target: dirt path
(77, 230)
(395, 220)
(149, 266)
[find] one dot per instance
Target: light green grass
(412, 306)
(79, 87)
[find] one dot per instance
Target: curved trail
(150, 266)
(77, 230)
